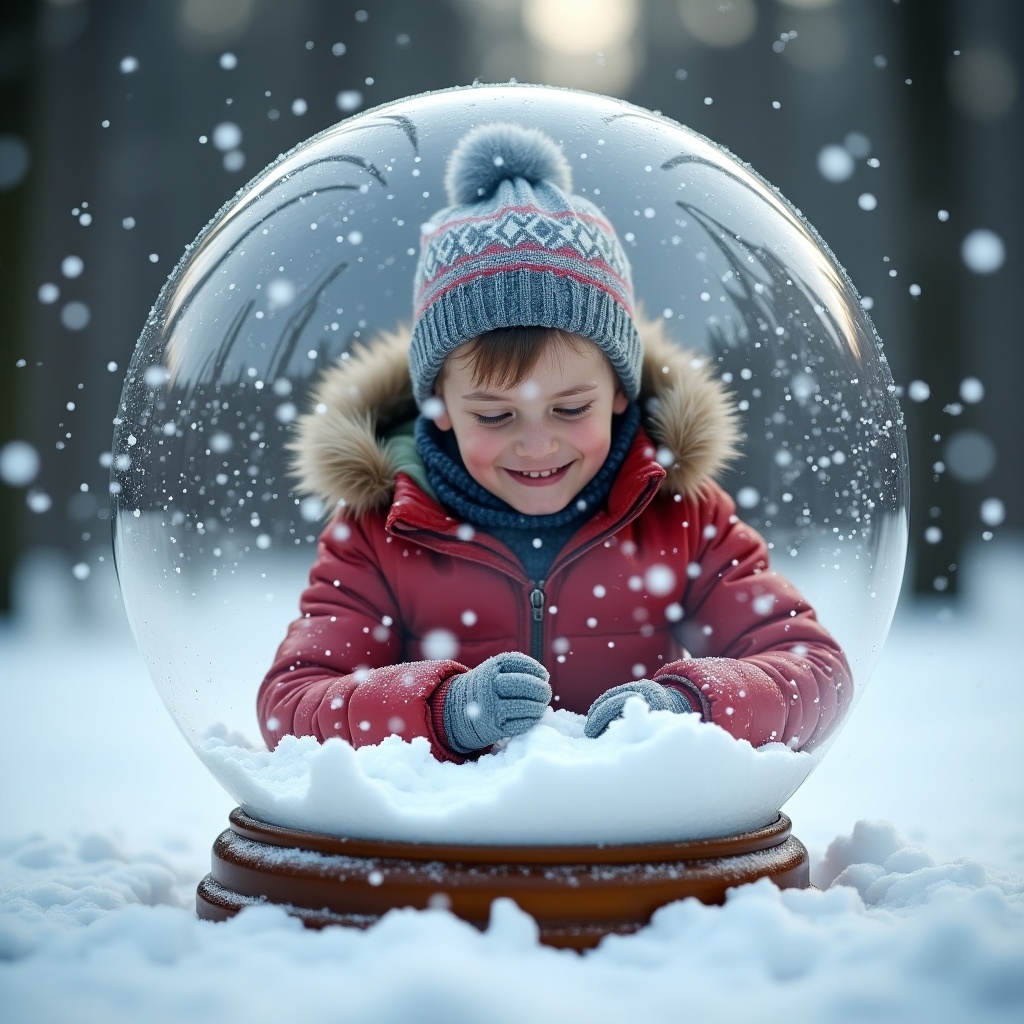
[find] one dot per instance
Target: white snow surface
(914, 822)
(552, 785)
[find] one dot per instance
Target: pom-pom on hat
(515, 248)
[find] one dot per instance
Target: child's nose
(535, 441)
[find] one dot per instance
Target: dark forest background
(103, 104)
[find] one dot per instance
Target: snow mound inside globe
(551, 785)
(213, 544)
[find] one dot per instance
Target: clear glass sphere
(213, 545)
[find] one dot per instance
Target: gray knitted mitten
(503, 696)
(609, 705)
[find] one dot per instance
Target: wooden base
(577, 894)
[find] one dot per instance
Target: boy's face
(538, 444)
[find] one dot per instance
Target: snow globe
(214, 542)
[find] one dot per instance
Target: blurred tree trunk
(15, 115)
(964, 158)
(936, 326)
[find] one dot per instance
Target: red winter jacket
(664, 583)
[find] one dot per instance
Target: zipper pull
(537, 626)
(537, 603)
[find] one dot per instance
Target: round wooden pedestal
(576, 893)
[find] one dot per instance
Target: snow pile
(51, 884)
(92, 932)
(652, 776)
(896, 937)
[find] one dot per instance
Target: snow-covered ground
(915, 823)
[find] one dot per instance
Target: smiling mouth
(538, 475)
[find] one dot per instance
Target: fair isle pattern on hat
(517, 249)
(568, 243)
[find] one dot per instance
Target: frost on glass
(213, 545)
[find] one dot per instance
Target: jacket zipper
(537, 622)
(537, 596)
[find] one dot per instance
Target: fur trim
(339, 454)
(687, 410)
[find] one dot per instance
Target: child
(547, 529)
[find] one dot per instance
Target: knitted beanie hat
(515, 248)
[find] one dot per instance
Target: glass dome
(213, 545)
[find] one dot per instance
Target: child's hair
(505, 356)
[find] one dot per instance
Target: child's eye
(575, 412)
(491, 421)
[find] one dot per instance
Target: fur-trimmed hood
(341, 452)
